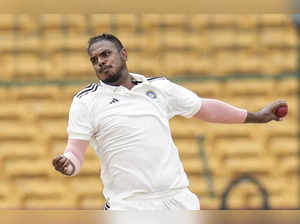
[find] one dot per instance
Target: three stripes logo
(114, 100)
(89, 89)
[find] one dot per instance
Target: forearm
(75, 152)
(220, 112)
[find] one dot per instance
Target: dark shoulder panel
(151, 79)
(88, 89)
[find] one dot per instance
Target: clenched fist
(63, 165)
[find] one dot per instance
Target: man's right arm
(70, 162)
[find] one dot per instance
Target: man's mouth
(104, 69)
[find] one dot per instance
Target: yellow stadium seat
(193, 165)
(34, 93)
(77, 43)
(76, 23)
(125, 22)
(249, 165)
(28, 24)
(133, 41)
(288, 164)
(209, 203)
(239, 148)
(224, 20)
(283, 146)
(7, 23)
(100, 23)
(247, 63)
(173, 40)
(52, 23)
(251, 87)
(198, 65)
(82, 69)
(91, 186)
(151, 23)
(7, 43)
(174, 22)
(22, 149)
(90, 168)
(246, 21)
(92, 203)
(28, 66)
(199, 22)
(222, 38)
(8, 67)
(12, 112)
(11, 131)
(188, 148)
(53, 42)
(26, 168)
(275, 19)
(246, 39)
(49, 203)
(225, 63)
(41, 188)
(174, 64)
(290, 64)
(204, 89)
(28, 43)
(284, 201)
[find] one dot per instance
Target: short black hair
(108, 37)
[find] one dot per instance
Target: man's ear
(124, 54)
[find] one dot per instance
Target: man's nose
(101, 62)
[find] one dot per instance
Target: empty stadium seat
(204, 89)
(28, 24)
(151, 23)
(244, 148)
(52, 23)
(175, 22)
(275, 20)
(188, 148)
(247, 165)
(100, 23)
(246, 21)
(26, 168)
(76, 23)
(22, 149)
(90, 168)
(92, 203)
(78, 66)
(199, 22)
(251, 87)
(283, 146)
(125, 22)
(28, 66)
(7, 23)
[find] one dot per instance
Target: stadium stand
(44, 63)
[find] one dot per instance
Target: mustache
(103, 68)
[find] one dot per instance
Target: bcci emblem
(151, 94)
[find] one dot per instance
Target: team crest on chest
(151, 94)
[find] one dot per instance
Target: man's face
(107, 60)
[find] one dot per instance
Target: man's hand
(267, 114)
(63, 165)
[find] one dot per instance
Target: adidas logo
(114, 100)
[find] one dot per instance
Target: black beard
(112, 79)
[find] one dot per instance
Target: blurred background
(245, 60)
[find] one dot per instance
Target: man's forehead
(101, 46)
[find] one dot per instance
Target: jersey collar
(137, 77)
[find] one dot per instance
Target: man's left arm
(220, 112)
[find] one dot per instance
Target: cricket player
(125, 117)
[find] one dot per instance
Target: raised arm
(219, 112)
(70, 162)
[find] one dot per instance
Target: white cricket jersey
(130, 132)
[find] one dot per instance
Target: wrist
(256, 117)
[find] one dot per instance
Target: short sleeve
(80, 124)
(181, 101)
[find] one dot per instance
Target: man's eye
(94, 60)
